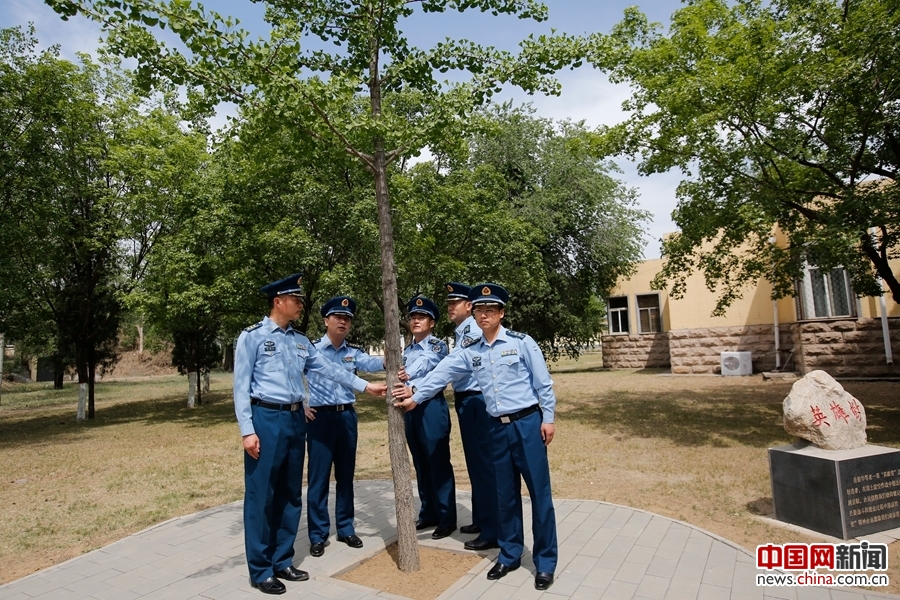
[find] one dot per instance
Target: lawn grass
(690, 448)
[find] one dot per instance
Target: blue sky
(586, 94)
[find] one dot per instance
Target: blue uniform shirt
(466, 329)
(421, 357)
(269, 363)
(322, 392)
(511, 373)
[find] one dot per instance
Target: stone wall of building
(636, 351)
(847, 347)
(699, 350)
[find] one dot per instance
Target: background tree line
(119, 207)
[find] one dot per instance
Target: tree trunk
(407, 543)
(192, 389)
(228, 360)
(205, 381)
(140, 329)
(882, 265)
(82, 401)
(2, 356)
(59, 372)
(92, 374)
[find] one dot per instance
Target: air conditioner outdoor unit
(736, 363)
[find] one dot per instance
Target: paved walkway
(607, 552)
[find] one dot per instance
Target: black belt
(277, 405)
(466, 394)
(518, 415)
(333, 407)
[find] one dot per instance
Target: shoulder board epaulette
(316, 341)
(356, 347)
(467, 329)
(254, 326)
(468, 341)
(438, 345)
(515, 334)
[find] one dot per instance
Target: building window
(618, 314)
(649, 320)
(826, 293)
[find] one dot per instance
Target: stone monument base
(842, 493)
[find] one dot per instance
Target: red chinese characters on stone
(818, 416)
(854, 408)
(839, 413)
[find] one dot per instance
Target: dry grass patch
(68, 488)
(690, 448)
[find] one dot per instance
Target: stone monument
(829, 480)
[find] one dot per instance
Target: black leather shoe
(269, 585)
(468, 529)
(317, 549)
(442, 532)
(351, 540)
(543, 580)
(292, 574)
(420, 524)
(498, 571)
(480, 544)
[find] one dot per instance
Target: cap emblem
(345, 302)
(418, 302)
(449, 288)
(486, 291)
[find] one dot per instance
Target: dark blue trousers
(428, 436)
(519, 453)
(272, 488)
(331, 440)
(475, 430)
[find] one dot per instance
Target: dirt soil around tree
(692, 448)
(438, 570)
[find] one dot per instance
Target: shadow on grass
(59, 423)
(717, 418)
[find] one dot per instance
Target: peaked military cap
(457, 291)
(488, 294)
(421, 304)
(339, 305)
(292, 285)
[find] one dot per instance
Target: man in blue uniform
(332, 429)
(428, 424)
(269, 361)
(511, 372)
(474, 427)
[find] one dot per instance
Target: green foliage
(587, 231)
(220, 62)
(89, 177)
(778, 113)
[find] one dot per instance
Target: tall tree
(88, 180)
(588, 228)
(373, 55)
(778, 113)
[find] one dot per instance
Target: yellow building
(824, 327)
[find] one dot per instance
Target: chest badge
(476, 362)
(269, 347)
